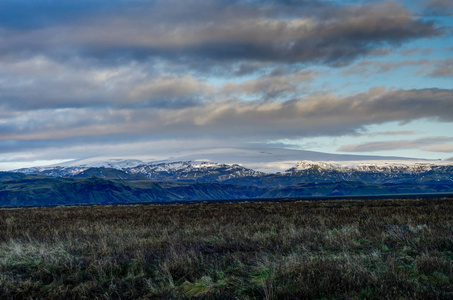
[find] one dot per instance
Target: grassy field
(382, 249)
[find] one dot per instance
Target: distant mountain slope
(67, 191)
(55, 191)
(351, 188)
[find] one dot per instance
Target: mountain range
(374, 172)
(133, 180)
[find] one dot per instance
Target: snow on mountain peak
(192, 170)
(182, 165)
(116, 163)
(415, 166)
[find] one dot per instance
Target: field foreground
(297, 250)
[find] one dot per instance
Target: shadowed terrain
(35, 190)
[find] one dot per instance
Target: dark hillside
(35, 191)
(11, 176)
(58, 191)
(351, 188)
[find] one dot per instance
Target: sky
(133, 78)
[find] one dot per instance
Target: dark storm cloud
(213, 31)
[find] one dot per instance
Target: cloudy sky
(126, 78)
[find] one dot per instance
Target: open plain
(379, 249)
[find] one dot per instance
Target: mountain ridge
(302, 172)
(268, 160)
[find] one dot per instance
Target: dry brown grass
(296, 250)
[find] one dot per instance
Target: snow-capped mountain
(75, 167)
(56, 171)
(268, 160)
(305, 171)
(412, 167)
(374, 171)
(193, 171)
(174, 171)
(115, 163)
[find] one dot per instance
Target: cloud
(169, 91)
(130, 55)
(370, 68)
(313, 115)
(442, 69)
(415, 51)
(42, 83)
(215, 31)
(396, 145)
(427, 67)
(439, 148)
(111, 72)
(279, 83)
(39, 82)
(387, 133)
(157, 149)
(439, 7)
